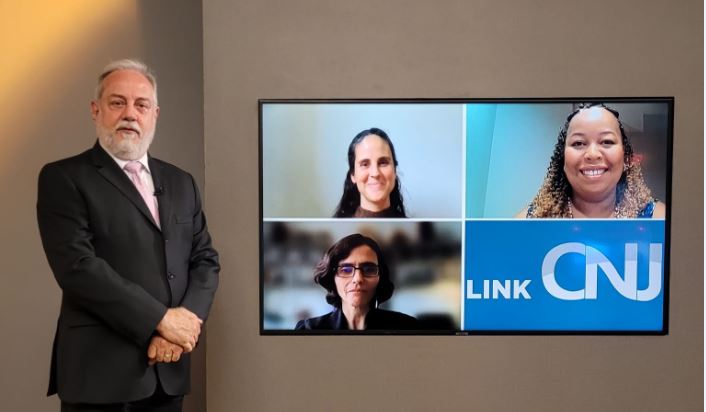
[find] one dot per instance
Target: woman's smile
(374, 173)
(593, 155)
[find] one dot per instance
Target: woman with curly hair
(592, 173)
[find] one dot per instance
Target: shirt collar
(121, 163)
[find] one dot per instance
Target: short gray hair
(126, 64)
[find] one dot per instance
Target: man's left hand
(161, 350)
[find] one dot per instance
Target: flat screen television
(465, 216)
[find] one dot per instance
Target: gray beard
(127, 149)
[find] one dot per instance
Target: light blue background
(507, 153)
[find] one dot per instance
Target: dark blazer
(376, 319)
(119, 273)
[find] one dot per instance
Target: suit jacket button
(171, 275)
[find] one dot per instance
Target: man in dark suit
(127, 241)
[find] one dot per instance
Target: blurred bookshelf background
(424, 260)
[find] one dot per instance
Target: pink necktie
(133, 170)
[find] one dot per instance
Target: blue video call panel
(564, 275)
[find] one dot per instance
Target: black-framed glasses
(369, 270)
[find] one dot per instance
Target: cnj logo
(626, 285)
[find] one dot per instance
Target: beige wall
(265, 49)
(449, 48)
(51, 55)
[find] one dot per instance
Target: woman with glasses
(354, 273)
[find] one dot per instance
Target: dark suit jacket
(376, 319)
(119, 273)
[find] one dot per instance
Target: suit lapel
(110, 170)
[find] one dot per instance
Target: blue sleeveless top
(647, 211)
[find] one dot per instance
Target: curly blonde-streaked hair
(552, 200)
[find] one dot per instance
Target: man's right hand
(180, 326)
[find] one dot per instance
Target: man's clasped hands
(178, 332)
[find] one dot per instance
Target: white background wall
(305, 155)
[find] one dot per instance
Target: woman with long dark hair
(371, 187)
